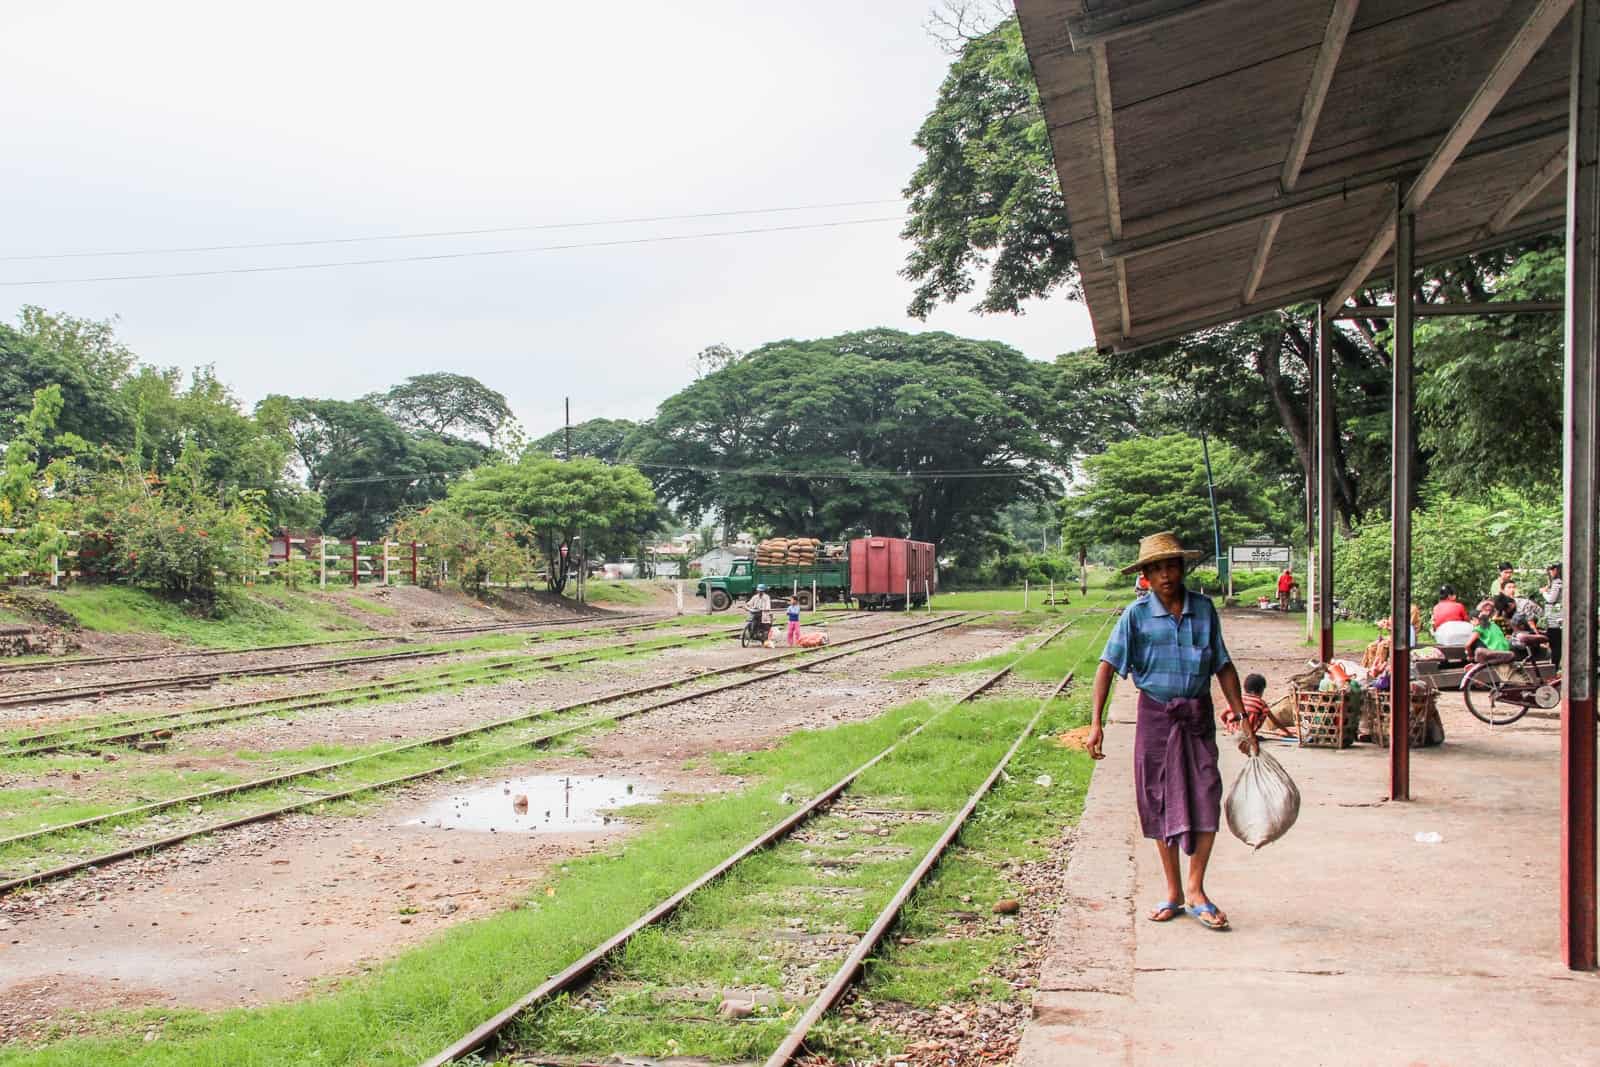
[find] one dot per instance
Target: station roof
(1220, 158)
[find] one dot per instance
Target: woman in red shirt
(1449, 609)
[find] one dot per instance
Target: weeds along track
(60, 694)
(492, 669)
(788, 920)
(398, 638)
(36, 856)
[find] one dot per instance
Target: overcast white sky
(165, 124)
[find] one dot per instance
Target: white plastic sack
(1263, 803)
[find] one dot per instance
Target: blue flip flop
(1219, 924)
(1175, 907)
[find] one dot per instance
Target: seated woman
(1488, 643)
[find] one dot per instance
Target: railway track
(344, 779)
(133, 728)
(399, 638)
(856, 825)
(97, 689)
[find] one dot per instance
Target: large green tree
(82, 358)
(549, 503)
(927, 435)
(365, 465)
(604, 439)
(446, 405)
(985, 197)
(1147, 484)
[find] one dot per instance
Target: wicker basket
(1326, 720)
(1421, 706)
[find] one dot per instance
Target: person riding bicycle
(759, 605)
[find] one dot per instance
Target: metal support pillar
(1307, 590)
(1581, 478)
(1325, 461)
(1401, 467)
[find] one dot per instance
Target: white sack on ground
(1263, 803)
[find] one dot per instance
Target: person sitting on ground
(1449, 608)
(1488, 643)
(1256, 710)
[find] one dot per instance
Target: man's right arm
(1095, 742)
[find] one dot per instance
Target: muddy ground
(265, 912)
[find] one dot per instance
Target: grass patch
(616, 591)
(1349, 631)
(370, 606)
(256, 616)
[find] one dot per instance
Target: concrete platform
(1352, 942)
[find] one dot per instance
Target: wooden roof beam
(1105, 125)
(1529, 38)
(1094, 29)
(1524, 195)
(1208, 224)
(1311, 288)
(1333, 38)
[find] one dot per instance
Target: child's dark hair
(1255, 684)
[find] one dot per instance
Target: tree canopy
(985, 196)
(445, 404)
(927, 435)
(603, 439)
(549, 502)
(1146, 484)
(365, 465)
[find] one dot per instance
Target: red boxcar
(887, 571)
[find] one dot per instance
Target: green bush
(1454, 542)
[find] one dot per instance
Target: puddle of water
(538, 802)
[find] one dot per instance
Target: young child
(792, 638)
(1256, 709)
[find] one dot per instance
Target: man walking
(1171, 643)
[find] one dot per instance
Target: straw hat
(1159, 546)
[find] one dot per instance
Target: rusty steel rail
(581, 970)
(400, 638)
(215, 714)
(893, 636)
(851, 968)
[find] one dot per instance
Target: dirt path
(262, 913)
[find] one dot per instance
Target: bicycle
(1499, 694)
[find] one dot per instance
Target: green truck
(832, 578)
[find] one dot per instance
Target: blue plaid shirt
(1169, 658)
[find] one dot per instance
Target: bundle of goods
(812, 640)
(787, 552)
(1327, 703)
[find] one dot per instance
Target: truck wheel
(720, 600)
(803, 598)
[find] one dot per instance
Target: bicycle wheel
(1481, 687)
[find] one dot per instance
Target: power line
(430, 234)
(749, 472)
(451, 255)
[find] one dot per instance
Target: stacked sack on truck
(788, 552)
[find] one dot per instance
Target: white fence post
(1024, 594)
(679, 585)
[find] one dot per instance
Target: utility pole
(568, 456)
(1216, 530)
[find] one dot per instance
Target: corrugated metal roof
(1224, 157)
